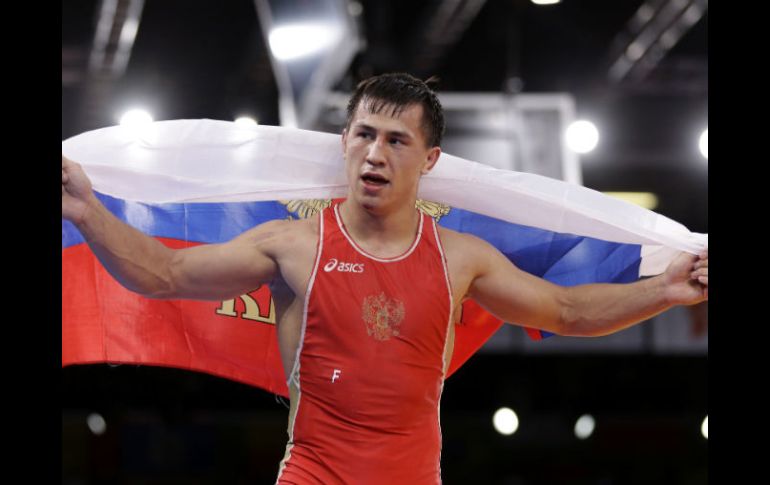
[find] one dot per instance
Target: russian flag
(189, 182)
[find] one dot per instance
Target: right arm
(146, 266)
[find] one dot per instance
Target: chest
(347, 272)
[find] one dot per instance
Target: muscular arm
(207, 272)
(602, 309)
(511, 294)
(584, 310)
(144, 265)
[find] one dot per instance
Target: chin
(372, 204)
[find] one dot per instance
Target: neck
(393, 229)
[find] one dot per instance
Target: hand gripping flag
(189, 182)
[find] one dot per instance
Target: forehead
(408, 119)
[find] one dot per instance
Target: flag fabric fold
(188, 182)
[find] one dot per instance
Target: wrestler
(366, 293)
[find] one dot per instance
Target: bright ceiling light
(246, 122)
(584, 426)
(96, 424)
(582, 136)
(505, 421)
(294, 41)
(136, 119)
(703, 144)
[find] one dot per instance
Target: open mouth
(374, 179)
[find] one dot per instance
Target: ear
(431, 160)
(344, 141)
(344, 137)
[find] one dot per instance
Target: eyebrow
(396, 133)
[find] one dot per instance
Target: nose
(376, 154)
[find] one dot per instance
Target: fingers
(702, 261)
(701, 276)
(67, 167)
(67, 163)
(699, 273)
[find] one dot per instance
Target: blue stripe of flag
(563, 259)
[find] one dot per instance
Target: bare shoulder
(463, 247)
(466, 257)
(282, 236)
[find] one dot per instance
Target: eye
(366, 135)
(396, 141)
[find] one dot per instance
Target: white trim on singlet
(294, 374)
(381, 260)
(311, 281)
(446, 339)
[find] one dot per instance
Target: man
(366, 293)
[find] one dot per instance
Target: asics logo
(343, 267)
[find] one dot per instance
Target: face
(385, 157)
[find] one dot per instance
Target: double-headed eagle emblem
(382, 316)
(304, 209)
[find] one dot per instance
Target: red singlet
(367, 381)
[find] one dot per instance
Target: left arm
(602, 309)
(584, 310)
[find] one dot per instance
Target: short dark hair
(397, 91)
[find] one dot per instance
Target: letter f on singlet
(336, 374)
